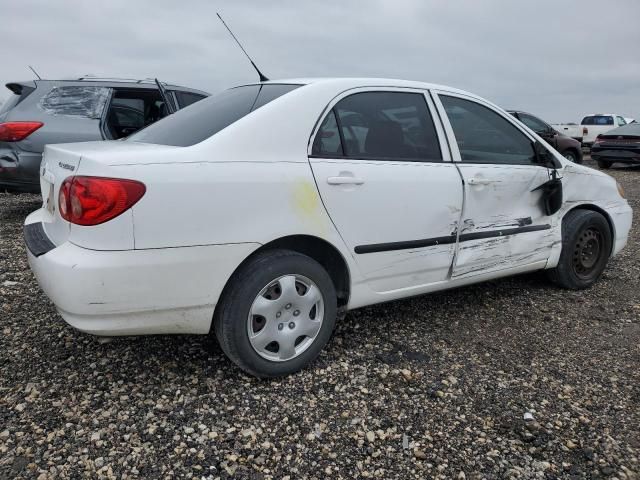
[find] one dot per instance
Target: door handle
(345, 180)
(479, 181)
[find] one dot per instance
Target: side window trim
(442, 140)
(340, 132)
(103, 119)
(455, 151)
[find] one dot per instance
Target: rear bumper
(20, 171)
(136, 292)
(618, 155)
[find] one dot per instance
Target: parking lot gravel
(509, 379)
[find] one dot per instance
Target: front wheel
(586, 246)
(571, 156)
(276, 314)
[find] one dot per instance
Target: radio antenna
(34, 71)
(260, 74)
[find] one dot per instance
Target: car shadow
(153, 358)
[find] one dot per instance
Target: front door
(503, 223)
(389, 186)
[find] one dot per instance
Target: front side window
(534, 123)
(207, 117)
(379, 126)
(484, 136)
(621, 121)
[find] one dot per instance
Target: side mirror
(551, 196)
(545, 157)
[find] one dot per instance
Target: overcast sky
(557, 59)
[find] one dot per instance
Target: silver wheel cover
(285, 318)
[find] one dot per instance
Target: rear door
(388, 183)
(504, 226)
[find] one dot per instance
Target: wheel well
(322, 252)
(595, 208)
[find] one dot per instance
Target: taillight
(95, 200)
(585, 131)
(598, 139)
(16, 131)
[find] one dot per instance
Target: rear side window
(76, 101)
(187, 98)
(327, 142)
(207, 117)
(598, 120)
(484, 136)
(378, 126)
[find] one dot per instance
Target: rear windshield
(207, 117)
(598, 120)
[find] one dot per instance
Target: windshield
(207, 117)
(598, 120)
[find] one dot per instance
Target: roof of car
(355, 82)
(130, 82)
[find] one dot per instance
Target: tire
(245, 319)
(586, 246)
(570, 155)
(604, 164)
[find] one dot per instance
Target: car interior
(131, 110)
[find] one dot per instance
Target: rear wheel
(604, 164)
(277, 313)
(586, 245)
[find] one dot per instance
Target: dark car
(41, 112)
(621, 145)
(568, 147)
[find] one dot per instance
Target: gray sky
(557, 59)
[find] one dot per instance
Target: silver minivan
(41, 112)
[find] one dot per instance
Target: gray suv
(41, 112)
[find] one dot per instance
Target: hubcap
(285, 318)
(587, 252)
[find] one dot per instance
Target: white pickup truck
(591, 126)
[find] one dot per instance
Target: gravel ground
(436, 386)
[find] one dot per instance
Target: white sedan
(261, 213)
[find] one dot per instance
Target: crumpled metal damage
(76, 101)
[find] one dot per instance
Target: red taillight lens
(16, 131)
(95, 200)
(585, 131)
